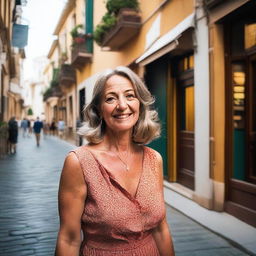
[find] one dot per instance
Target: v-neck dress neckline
(115, 181)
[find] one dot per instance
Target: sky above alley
(42, 17)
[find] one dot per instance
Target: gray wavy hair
(147, 127)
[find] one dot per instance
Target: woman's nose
(122, 104)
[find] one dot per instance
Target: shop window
(238, 85)
(187, 109)
(186, 63)
(238, 81)
(250, 35)
(189, 94)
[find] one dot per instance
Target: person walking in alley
(53, 127)
(61, 128)
(112, 188)
(13, 135)
(38, 125)
(30, 131)
(24, 127)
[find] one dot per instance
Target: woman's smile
(122, 116)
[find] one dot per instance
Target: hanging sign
(19, 35)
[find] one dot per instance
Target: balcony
(52, 92)
(80, 55)
(127, 26)
(67, 75)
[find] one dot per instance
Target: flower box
(79, 54)
(67, 75)
(127, 26)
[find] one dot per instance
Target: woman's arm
(163, 239)
(72, 195)
(162, 233)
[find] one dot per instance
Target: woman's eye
(130, 96)
(110, 99)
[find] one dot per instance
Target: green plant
(47, 93)
(30, 112)
(64, 56)
(54, 83)
(114, 6)
(2, 124)
(108, 21)
(77, 31)
(55, 75)
(3, 130)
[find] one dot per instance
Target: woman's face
(119, 104)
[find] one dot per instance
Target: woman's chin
(121, 128)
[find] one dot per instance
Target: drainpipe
(203, 183)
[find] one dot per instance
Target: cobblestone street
(28, 206)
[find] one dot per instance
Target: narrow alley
(28, 206)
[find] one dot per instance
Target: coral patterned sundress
(114, 222)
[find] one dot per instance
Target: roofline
(46, 68)
(53, 46)
(66, 11)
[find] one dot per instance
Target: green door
(156, 79)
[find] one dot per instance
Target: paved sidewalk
(28, 206)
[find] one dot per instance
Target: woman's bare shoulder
(72, 174)
(71, 159)
(156, 154)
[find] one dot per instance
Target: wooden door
(240, 58)
(185, 123)
(241, 189)
(252, 121)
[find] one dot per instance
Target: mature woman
(112, 188)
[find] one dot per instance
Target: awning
(167, 42)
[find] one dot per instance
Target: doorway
(185, 121)
(241, 117)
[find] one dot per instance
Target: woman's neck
(118, 141)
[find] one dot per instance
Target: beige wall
(80, 11)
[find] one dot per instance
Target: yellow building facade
(179, 49)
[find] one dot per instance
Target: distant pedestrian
(61, 128)
(24, 127)
(13, 135)
(53, 127)
(30, 130)
(38, 125)
(46, 128)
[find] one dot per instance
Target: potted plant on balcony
(108, 21)
(77, 34)
(81, 49)
(116, 11)
(114, 6)
(63, 57)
